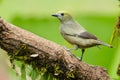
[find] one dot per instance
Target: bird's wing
(87, 35)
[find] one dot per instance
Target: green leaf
(23, 72)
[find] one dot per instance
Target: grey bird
(75, 34)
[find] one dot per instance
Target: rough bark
(42, 53)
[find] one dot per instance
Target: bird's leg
(74, 48)
(83, 50)
(98, 46)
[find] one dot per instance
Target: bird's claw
(66, 48)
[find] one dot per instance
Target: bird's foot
(66, 48)
(80, 59)
(99, 47)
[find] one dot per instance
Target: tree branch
(39, 52)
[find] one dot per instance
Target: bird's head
(63, 16)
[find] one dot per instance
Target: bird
(75, 34)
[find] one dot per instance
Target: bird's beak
(55, 15)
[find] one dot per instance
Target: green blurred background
(97, 16)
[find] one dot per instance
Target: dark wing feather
(87, 35)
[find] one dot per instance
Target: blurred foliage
(118, 71)
(1, 1)
(97, 16)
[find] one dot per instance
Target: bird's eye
(62, 14)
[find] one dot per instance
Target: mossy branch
(41, 53)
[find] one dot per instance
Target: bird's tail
(105, 44)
